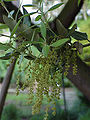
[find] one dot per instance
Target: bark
(7, 79)
(68, 14)
(82, 79)
(5, 85)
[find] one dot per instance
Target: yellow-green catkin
(43, 78)
(67, 55)
(74, 59)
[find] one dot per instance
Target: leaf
(60, 42)
(21, 59)
(15, 28)
(6, 57)
(42, 42)
(79, 2)
(4, 46)
(72, 29)
(3, 26)
(30, 57)
(87, 58)
(29, 5)
(79, 35)
(45, 50)
(43, 29)
(38, 18)
(25, 32)
(11, 13)
(55, 6)
(61, 29)
(9, 22)
(26, 19)
(35, 51)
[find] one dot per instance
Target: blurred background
(78, 107)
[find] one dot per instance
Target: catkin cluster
(43, 78)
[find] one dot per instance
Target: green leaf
(87, 58)
(24, 31)
(11, 13)
(29, 5)
(26, 19)
(55, 6)
(9, 22)
(4, 46)
(38, 18)
(43, 29)
(30, 57)
(60, 42)
(79, 2)
(35, 51)
(72, 29)
(15, 28)
(3, 26)
(61, 29)
(45, 50)
(6, 57)
(79, 35)
(21, 59)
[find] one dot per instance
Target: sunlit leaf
(35, 51)
(60, 42)
(38, 18)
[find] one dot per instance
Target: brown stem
(5, 85)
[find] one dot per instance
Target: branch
(68, 14)
(86, 45)
(5, 85)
